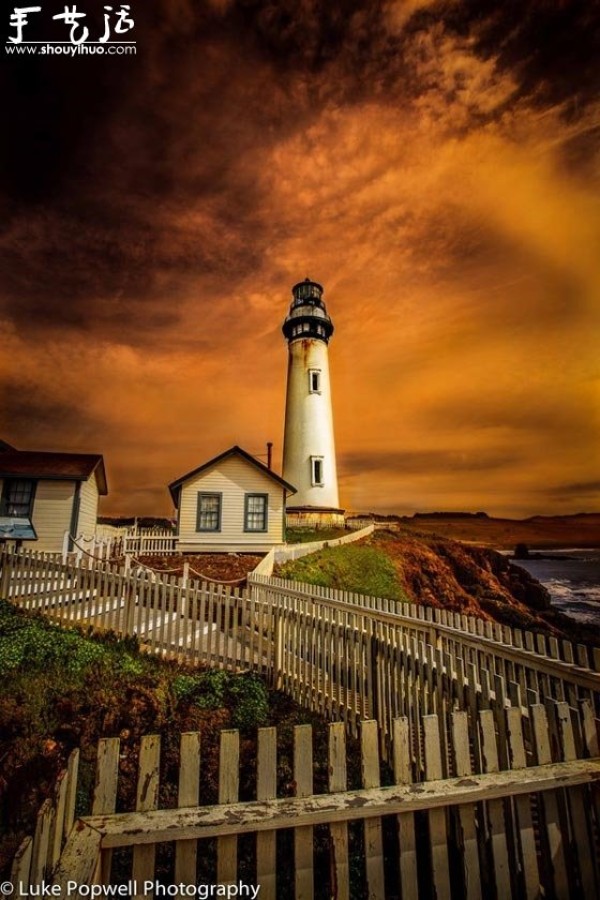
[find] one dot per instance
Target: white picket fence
(501, 831)
(131, 542)
(453, 696)
(344, 655)
(110, 547)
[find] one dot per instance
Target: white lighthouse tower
(308, 443)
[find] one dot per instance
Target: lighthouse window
(209, 512)
(255, 512)
(316, 463)
(314, 381)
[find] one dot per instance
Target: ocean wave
(566, 588)
(582, 602)
(573, 584)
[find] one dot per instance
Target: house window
(17, 498)
(314, 381)
(255, 512)
(316, 470)
(209, 512)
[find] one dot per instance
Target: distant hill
(543, 532)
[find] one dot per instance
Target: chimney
(269, 454)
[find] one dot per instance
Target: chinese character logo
(116, 21)
(19, 20)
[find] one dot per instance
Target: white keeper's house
(56, 492)
(231, 504)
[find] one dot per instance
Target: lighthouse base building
(309, 461)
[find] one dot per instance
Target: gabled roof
(4, 446)
(53, 466)
(233, 451)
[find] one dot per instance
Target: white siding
(88, 508)
(233, 478)
(52, 509)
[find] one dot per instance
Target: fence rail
(163, 543)
(528, 830)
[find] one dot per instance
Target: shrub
(244, 695)
(250, 701)
(131, 665)
(35, 646)
(184, 686)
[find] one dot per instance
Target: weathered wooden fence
(461, 704)
(102, 548)
(346, 656)
(199, 624)
(151, 542)
(38, 856)
(350, 656)
(526, 830)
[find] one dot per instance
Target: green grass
(353, 567)
(307, 535)
(62, 688)
(42, 662)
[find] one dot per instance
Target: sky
(435, 165)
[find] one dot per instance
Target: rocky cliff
(477, 581)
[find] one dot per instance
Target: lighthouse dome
(308, 316)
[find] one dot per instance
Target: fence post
(130, 598)
(277, 673)
(65, 546)
(374, 680)
(184, 593)
(6, 573)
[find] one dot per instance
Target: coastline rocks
(464, 578)
(525, 588)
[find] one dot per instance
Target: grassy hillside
(362, 567)
(442, 573)
(61, 689)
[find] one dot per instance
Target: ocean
(573, 581)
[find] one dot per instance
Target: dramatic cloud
(434, 164)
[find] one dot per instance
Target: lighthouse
(308, 444)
